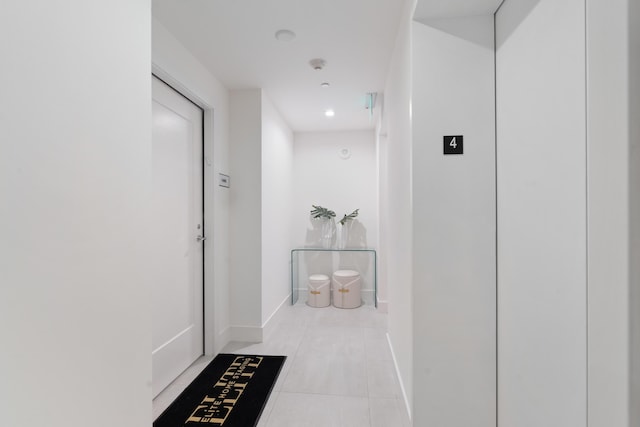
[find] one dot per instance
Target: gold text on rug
(216, 406)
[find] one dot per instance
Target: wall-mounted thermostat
(453, 144)
(224, 180)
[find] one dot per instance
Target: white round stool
(319, 292)
(346, 289)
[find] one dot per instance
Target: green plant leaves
(346, 218)
(320, 212)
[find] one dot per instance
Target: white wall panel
(396, 212)
(261, 194)
(277, 199)
(323, 177)
(633, 13)
(454, 226)
(75, 185)
(245, 129)
(541, 166)
(613, 71)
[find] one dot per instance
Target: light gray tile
(324, 374)
(387, 413)
(309, 410)
(162, 402)
(268, 407)
(377, 345)
(381, 379)
(344, 342)
(284, 371)
(361, 317)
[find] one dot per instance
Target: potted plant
(328, 224)
(343, 229)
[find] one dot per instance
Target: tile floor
(339, 370)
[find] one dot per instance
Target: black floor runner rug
(230, 392)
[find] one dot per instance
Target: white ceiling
(436, 9)
(235, 40)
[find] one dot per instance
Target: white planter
(347, 287)
(319, 290)
(342, 235)
(328, 230)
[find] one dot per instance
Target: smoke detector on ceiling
(285, 35)
(318, 64)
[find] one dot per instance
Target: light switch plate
(224, 180)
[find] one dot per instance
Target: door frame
(202, 195)
(210, 341)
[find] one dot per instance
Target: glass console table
(308, 261)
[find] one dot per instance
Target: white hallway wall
(75, 184)
(632, 11)
(542, 268)
(577, 220)
(396, 211)
(277, 208)
(324, 178)
(613, 138)
(261, 154)
(246, 211)
(454, 223)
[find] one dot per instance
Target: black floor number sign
(453, 144)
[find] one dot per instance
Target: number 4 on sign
(453, 144)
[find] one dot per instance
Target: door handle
(201, 238)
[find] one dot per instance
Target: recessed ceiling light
(317, 63)
(285, 35)
(324, 84)
(329, 113)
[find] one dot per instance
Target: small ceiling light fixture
(329, 113)
(285, 35)
(324, 84)
(318, 64)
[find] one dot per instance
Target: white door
(177, 296)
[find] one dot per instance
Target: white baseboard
(269, 324)
(383, 306)
(404, 392)
(221, 340)
(256, 334)
(246, 334)
(367, 296)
